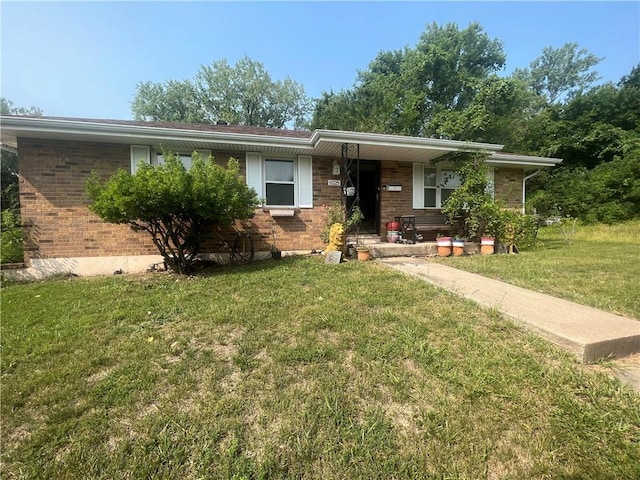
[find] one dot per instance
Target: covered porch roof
(232, 138)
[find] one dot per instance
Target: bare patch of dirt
(626, 369)
(99, 376)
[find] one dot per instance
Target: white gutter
(524, 187)
(45, 125)
(511, 159)
(387, 140)
(102, 129)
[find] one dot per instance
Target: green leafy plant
(174, 205)
(514, 227)
(11, 249)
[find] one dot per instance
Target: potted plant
(458, 246)
(487, 245)
(352, 224)
(364, 254)
(444, 246)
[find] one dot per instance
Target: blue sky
(84, 59)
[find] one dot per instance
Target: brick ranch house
(299, 173)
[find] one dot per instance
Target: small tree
(472, 202)
(174, 205)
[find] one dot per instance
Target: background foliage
(243, 94)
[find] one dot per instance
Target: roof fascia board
(522, 160)
(151, 133)
(386, 140)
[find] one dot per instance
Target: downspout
(524, 186)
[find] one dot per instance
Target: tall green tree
(561, 72)
(597, 133)
(402, 90)
(172, 101)
(242, 94)
(594, 127)
(174, 205)
(501, 112)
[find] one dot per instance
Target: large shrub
(174, 205)
(608, 193)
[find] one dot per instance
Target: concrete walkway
(589, 333)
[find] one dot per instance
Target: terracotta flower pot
(458, 247)
(444, 246)
(363, 254)
(487, 245)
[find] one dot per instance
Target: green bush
(514, 226)
(11, 238)
(608, 193)
(174, 205)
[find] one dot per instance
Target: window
(144, 154)
(186, 159)
(280, 182)
(432, 186)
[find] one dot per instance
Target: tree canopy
(402, 90)
(561, 72)
(174, 205)
(243, 94)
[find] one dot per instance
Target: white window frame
(293, 182)
(186, 158)
(256, 178)
(419, 186)
(146, 154)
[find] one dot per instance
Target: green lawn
(294, 369)
(600, 268)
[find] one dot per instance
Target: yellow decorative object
(336, 238)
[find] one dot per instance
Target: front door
(369, 189)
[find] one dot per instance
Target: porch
(380, 248)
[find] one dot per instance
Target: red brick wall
(58, 223)
(53, 202)
(508, 186)
(302, 231)
(393, 204)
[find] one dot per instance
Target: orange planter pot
(444, 246)
(364, 255)
(458, 248)
(487, 245)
